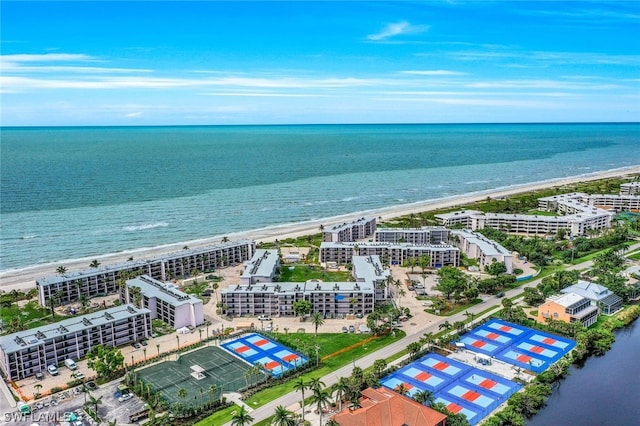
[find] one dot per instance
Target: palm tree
(321, 399)
(445, 326)
(95, 402)
(317, 320)
(283, 417)
(340, 388)
(241, 418)
(178, 340)
(94, 263)
(61, 270)
(424, 397)
(300, 386)
(37, 388)
(315, 383)
(379, 365)
(401, 389)
(158, 349)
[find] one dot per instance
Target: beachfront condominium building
(600, 296)
(331, 299)
(574, 224)
(165, 301)
(630, 188)
(577, 202)
(262, 267)
(67, 288)
(394, 254)
(568, 307)
(25, 353)
(485, 251)
(419, 236)
(352, 231)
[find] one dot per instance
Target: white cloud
(133, 114)
(48, 57)
(396, 29)
(433, 72)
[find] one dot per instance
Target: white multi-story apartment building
(165, 301)
(395, 254)
(419, 236)
(630, 188)
(575, 224)
(352, 231)
(577, 202)
(262, 267)
(331, 299)
(481, 248)
(104, 279)
(28, 352)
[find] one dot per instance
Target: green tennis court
(213, 366)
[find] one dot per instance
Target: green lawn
(219, 417)
(302, 272)
(536, 212)
(32, 315)
(634, 255)
(329, 365)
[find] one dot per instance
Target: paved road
(291, 398)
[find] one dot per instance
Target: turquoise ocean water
(69, 193)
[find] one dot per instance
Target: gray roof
(591, 291)
(37, 336)
(369, 269)
(262, 264)
(167, 292)
(310, 286)
(488, 247)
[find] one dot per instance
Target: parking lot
(67, 407)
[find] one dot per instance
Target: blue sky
(147, 63)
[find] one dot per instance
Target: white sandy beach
(24, 278)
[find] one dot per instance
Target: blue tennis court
(461, 387)
(275, 358)
(517, 345)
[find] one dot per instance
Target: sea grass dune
(24, 278)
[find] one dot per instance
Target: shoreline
(24, 278)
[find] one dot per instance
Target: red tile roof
(382, 407)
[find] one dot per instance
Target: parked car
(144, 342)
(352, 329)
(53, 370)
(264, 318)
(345, 329)
(125, 397)
(136, 345)
(91, 385)
(499, 295)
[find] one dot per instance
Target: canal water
(603, 392)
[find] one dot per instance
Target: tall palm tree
(283, 417)
(317, 320)
(95, 402)
(61, 270)
(341, 388)
(300, 385)
(321, 400)
(94, 263)
(241, 418)
(315, 383)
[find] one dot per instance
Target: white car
(53, 370)
(125, 397)
(264, 318)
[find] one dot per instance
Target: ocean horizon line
(129, 126)
(304, 226)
